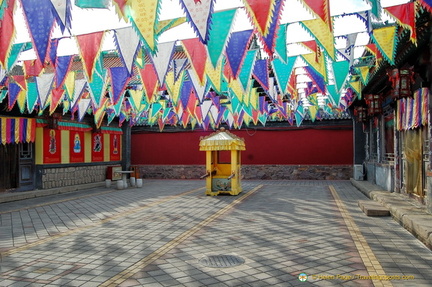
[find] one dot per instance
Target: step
(373, 208)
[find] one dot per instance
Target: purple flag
(119, 79)
(13, 91)
(62, 65)
(236, 50)
(261, 73)
(40, 22)
(269, 39)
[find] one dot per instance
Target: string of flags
(220, 77)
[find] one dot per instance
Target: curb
(14, 196)
(407, 212)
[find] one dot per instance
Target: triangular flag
(320, 9)
(319, 66)
(280, 45)
(283, 72)
(98, 86)
(313, 108)
(83, 105)
(14, 54)
(21, 81)
(321, 32)
(13, 91)
(260, 13)
(44, 84)
(32, 68)
(197, 55)
(334, 95)
(386, 41)
(99, 113)
(376, 8)
(236, 50)
(162, 59)
(365, 17)
(69, 84)
(7, 32)
(136, 97)
(317, 79)
(90, 46)
(261, 73)
(199, 13)
(405, 15)
(80, 85)
(215, 75)
(21, 100)
(62, 11)
(218, 34)
(128, 44)
(269, 39)
(299, 113)
(56, 97)
(178, 66)
(200, 90)
(32, 96)
(62, 67)
(364, 73)
(246, 70)
(146, 14)
(40, 21)
(150, 81)
(119, 79)
(340, 71)
(120, 8)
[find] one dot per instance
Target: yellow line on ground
(135, 268)
(371, 263)
(80, 229)
(57, 201)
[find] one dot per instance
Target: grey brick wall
(274, 172)
(66, 176)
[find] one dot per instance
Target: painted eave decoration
(222, 76)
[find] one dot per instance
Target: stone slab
(372, 208)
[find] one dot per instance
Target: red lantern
(374, 103)
(360, 114)
(406, 80)
(401, 80)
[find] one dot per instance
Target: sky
(84, 22)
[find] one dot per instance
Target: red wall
(276, 146)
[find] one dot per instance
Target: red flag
(261, 13)
(33, 68)
(197, 54)
(7, 30)
(149, 79)
(405, 15)
(320, 8)
(90, 46)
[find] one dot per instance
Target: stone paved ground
(162, 233)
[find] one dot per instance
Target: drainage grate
(221, 261)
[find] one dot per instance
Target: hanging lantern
(374, 103)
(406, 80)
(360, 114)
(395, 83)
(401, 81)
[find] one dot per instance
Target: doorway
(16, 167)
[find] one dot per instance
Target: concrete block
(372, 208)
(419, 225)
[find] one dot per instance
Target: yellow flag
(385, 39)
(322, 33)
(144, 14)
